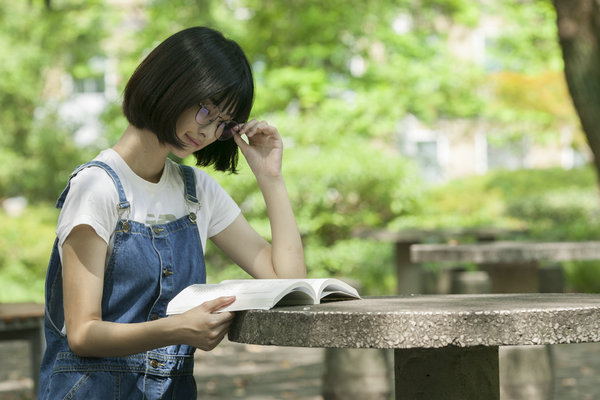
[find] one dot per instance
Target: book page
(333, 289)
(249, 293)
(330, 288)
(284, 291)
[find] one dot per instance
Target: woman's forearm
(287, 252)
(201, 327)
(98, 338)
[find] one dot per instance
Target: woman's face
(196, 128)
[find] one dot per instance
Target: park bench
(445, 346)
(25, 321)
(409, 273)
(513, 266)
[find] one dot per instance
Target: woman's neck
(142, 152)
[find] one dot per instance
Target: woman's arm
(284, 258)
(83, 257)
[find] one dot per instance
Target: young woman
(134, 224)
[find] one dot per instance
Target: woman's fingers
(251, 128)
(212, 306)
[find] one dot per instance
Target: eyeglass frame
(220, 127)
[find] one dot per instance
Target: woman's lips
(192, 141)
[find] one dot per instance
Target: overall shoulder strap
(123, 203)
(189, 180)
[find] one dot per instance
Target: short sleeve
(223, 209)
(92, 200)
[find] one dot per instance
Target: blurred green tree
(39, 45)
(335, 77)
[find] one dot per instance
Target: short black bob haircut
(191, 66)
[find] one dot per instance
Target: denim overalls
(148, 266)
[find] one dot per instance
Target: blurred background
(395, 114)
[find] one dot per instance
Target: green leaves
(336, 77)
(38, 48)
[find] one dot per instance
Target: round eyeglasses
(209, 113)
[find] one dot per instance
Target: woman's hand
(264, 148)
(203, 327)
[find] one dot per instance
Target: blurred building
(81, 101)
(450, 149)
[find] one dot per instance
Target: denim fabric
(148, 266)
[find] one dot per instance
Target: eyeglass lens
(224, 130)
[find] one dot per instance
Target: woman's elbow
(76, 346)
(302, 271)
(79, 342)
(298, 271)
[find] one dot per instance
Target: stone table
(445, 346)
(513, 268)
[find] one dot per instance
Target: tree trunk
(579, 35)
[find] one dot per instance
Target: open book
(263, 294)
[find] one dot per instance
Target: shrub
(25, 246)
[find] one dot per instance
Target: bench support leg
(469, 373)
(408, 274)
(35, 337)
(514, 278)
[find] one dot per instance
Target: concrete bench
(25, 321)
(445, 346)
(513, 266)
(408, 273)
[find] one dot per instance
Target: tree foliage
(335, 77)
(37, 45)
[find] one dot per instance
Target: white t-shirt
(92, 200)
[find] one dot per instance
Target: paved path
(238, 371)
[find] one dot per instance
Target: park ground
(250, 372)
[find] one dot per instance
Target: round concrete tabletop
(426, 321)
